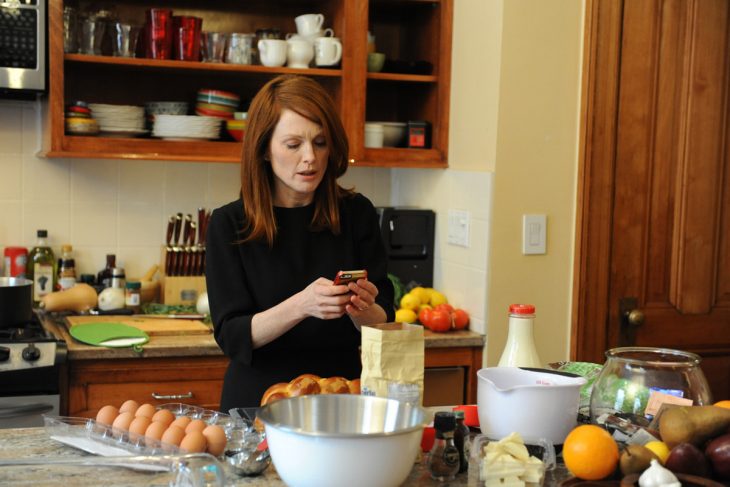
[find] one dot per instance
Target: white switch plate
(534, 234)
(458, 228)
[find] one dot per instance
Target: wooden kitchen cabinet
(191, 380)
(405, 30)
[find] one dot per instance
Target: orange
(723, 404)
(590, 453)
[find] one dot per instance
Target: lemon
(422, 293)
(423, 306)
(410, 301)
(437, 298)
(660, 449)
(404, 315)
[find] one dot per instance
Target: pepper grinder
(443, 461)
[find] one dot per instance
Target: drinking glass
(158, 33)
(125, 39)
(70, 30)
(214, 46)
(92, 33)
(239, 48)
(186, 45)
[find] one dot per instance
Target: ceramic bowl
(375, 61)
(394, 134)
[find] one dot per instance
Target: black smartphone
(343, 277)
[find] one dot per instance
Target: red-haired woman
(272, 254)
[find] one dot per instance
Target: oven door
(26, 411)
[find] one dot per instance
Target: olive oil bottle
(42, 268)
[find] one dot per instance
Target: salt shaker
(443, 461)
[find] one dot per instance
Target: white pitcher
(272, 52)
(327, 51)
(299, 53)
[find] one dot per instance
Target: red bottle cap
(522, 309)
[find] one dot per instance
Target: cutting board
(151, 326)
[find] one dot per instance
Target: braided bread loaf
(310, 384)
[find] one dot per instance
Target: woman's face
(298, 152)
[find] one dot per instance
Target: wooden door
(654, 207)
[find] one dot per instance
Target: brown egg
(129, 406)
(173, 435)
(195, 425)
(107, 415)
(139, 425)
(146, 410)
(215, 438)
(155, 430)
(163, 416)
(181, 422)
(123, 421)
(194, 442)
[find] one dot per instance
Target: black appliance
(30, 364)
(23, 48)
(408, 235)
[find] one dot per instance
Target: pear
(692, 424)
(635, 459)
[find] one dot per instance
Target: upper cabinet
(409, 88)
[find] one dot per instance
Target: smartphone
(343, 277)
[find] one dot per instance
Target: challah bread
(310, 384)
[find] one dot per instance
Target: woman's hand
(362, 296)
(323, 300)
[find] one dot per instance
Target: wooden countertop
(205, 345)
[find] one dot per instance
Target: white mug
(272, 52)
(299, 53)
(309, 24)
(327, 51)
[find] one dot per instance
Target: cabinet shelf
(414, 78)
(143, 63)
(403, 157)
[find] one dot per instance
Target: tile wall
(105, 206)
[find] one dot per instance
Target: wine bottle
(42, 267)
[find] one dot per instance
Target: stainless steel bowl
(343, 439)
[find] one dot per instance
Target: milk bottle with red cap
(520, 349)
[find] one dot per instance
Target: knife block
(179, 289)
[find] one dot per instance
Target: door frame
(591, 312)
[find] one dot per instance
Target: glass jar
(632, 374)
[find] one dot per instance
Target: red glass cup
(186, 34)
(158, 33)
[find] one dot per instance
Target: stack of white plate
(122, 120)
(183, 127)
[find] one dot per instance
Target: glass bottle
(104, 277)
(461, 441)
(42, 267)
(443, 461)
(66, 268)
(132, 298)
(119, 279)
(520, 350)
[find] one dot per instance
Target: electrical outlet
(458, 228)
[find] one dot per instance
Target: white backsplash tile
(11, 181)
(45, 179)
(94, 224)
(224, 184)
(11, 223)
(141, 224)
(11, 123)
(54, 216)
(141, 182)
(95, 181)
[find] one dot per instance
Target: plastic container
(541, 448)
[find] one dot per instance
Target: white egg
(202, 305)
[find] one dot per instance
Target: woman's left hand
(362, 298)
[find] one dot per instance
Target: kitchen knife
(201, 220)
(178, 227)
(168, 250)
(191, 316)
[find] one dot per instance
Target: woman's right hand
(323, 300)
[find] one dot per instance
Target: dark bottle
(42, 267)
(443, 461)
(104, 277)
(461, 441)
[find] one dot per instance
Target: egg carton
(100, 439)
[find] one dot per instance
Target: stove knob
(4, 354)
(31, 353)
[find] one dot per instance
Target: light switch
(534, 234)
(458, 228)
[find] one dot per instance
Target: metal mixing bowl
(343, 439)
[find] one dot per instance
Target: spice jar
(443, 461)
(132, 298)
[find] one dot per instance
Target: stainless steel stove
(30, 364)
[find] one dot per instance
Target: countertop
(205, 345)
(35, 443)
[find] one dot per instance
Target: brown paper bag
(391, 352)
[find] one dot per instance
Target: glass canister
(631, 375)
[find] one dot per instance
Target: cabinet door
(413, 83)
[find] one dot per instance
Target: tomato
(424, 316)
(460, 318)
(445, 307)
(440, 321)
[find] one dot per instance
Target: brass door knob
(635, 317)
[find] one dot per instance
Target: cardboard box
(443, 386)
